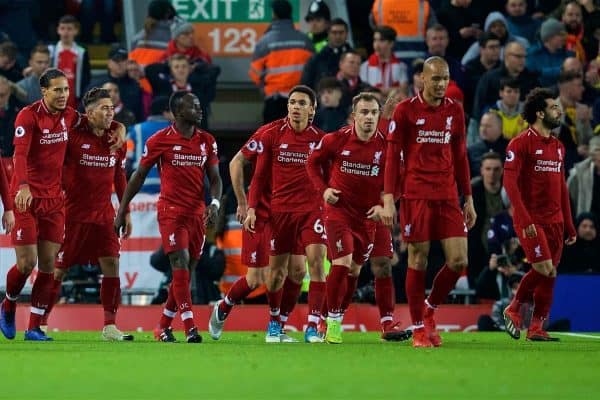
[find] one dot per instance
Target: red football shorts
(382, 245)
(350, 237)
(293, 232)
(256, 246)
(426, 220)
(182, 232)
(43, 220)
(548, 243)
(85, 243)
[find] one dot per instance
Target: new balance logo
(345, 152)
(176, 148)
(420, 121)
(44, 131)
(283, 146)
(539, 151)
(85, 146)
(172, 241)
(19, 234)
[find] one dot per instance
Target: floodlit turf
(79, 365)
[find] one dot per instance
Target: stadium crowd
(497, 52)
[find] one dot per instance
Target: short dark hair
(282, 9)
(387, 33)
(178, 57)
(351, 51)
(486, 37)
(510, 82)
(491, 155)
(568, 76)
(329, 82)
(338, 21)
(535, 102)
(307, 91)
(48, 75)
(438, 28)
(93, 95)
(40, 48)
(175, 100)
(68, 19)
(364, 96)
(9, 50)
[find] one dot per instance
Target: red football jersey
(251, 150)
(283, 162)
(40, 145)
(89, 174)
(432, 142)
(354, 167)
(534, 179)
(182, 166)
(7, 199)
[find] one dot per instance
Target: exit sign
(228, 10)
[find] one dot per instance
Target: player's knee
(255, 277)
(297, 274)
(381, 268)
(59, 274)
(457, 264)
(179, 259)
(26, 264)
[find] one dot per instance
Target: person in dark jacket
(584, 256)
(331, 114)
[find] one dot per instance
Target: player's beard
(550, 123)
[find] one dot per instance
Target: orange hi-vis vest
(231, 244)
(409, 19)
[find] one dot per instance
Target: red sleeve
(152, 151)
(394, 150)
(213, 153)
(319, 157)
(566, 206)
(252, 147)
(120, 179)
(459, 151)
(7, 200)
(262, 172)
(515, 155)
(24, 128)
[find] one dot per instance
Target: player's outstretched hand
(250, 220)
(128, 227)
(375, 213)
(120, 225)
(8, 221)
(571, 240)
(241, 213)
(530, 231)
(330, 195)
(211, 214)
(23, 198)
(470, 215)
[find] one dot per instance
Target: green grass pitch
(79, 365)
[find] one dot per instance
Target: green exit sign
(228, 10)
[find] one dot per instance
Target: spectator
(513, 66)
(509, 108)
(71, 58)
(487, 200)
(38, 63)
(490, 140)
(410, 19)
(572, 18)
(331, 114)
(382, 69)
(9, 108)
(590, 93)
(318, 18)
(103, 11)
(326, 62)
(495, 23)
(463, 25)
(547, 55)
(9, 67)
(576, 122)
(148, 45)
(122, 113)
(136, 72)
(129, 89)
(160, 117)
(583, 256)
(282, 48)
(182, 42)
(519, 21)
(591, 28)
(502, 228)
(494, 282)
(584, 182)
(16, 20)
(179, 75)
(489, 58)
(437, 44)
(349, 77)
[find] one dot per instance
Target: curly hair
(535, 102)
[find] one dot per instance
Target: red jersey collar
(425, 104)
(174, 130)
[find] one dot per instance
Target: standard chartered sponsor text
(547, 166)
(188, 160)
(355, 168)
(52, 138)
(292, 157)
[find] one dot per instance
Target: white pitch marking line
(581, 335)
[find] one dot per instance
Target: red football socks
(542, 297)
(183, 297)
(170, 310)
(385, 298)
(237, 292)
(54, 295)
(274, 299)
(110, 295)
(444, 282)
(15, 280)
(290, 294)
(336, 289)
(40, 298)
(351, 283)
(415, 293)
(525, 290)
(316, 294)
